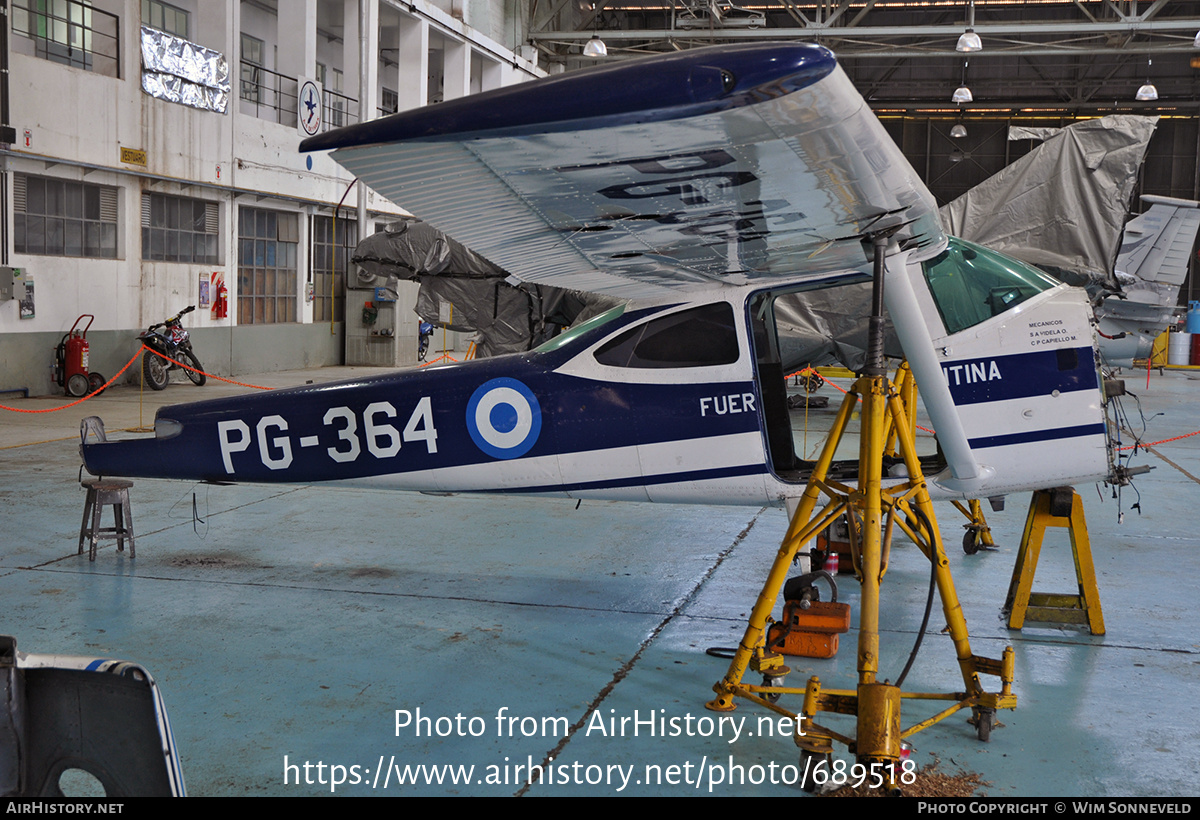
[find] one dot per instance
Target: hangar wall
(121, 204)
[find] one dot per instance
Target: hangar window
(698, 337)
(70, 32)
(251, 68)
(179, 229)
(59, 217)
(330, 260)
(165, 17)
(971, 284)
(267, 245)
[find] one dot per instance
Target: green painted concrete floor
(291, 625)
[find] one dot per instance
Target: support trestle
(885, 424)
(907, 506)
(1061, 507)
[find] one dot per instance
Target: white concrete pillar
(296, 38)
(413, 57)
(457, 70)
(369, 34)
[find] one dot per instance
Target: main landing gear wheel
(154, 371)
(96, 383)
(197, 375)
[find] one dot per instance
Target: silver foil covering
(182, 72)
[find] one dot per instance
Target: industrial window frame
(324, 246)
(180, 229)
(165, 17)
(268, 247)
(61, 217)
(250, 65)
(71, 32)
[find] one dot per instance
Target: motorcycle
(424, 334)
(175, 343)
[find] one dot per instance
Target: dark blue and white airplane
(704, 186)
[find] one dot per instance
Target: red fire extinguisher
(71, 361)
(220, 307)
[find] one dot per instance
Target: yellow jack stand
(1061, 507)
(906, 504)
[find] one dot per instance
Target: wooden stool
(102, 492)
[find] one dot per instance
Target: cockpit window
(971, 284)
(698, 337)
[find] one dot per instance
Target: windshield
(971, 284)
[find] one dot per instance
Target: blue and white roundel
(504, 418)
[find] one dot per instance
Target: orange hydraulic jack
(810, 627)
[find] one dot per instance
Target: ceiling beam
(816, 30)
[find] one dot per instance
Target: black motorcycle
(171, 340)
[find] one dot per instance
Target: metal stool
(102, 492)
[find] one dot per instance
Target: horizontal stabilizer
(1157, 245)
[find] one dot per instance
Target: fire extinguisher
(220, 308)
(71, 361)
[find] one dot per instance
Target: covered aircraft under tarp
(1061, 206)
(510, 316)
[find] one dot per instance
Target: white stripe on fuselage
(615, 464)
(1031, 413)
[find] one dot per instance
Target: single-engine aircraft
(704, 185)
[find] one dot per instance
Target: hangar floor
(290, 624)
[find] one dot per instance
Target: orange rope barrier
(77, 401)
(118, 375)
(1155, 443)
(209, 375)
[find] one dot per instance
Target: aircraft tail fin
(1157, 245)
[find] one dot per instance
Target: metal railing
(270, 95)
(71, 33)
(339, 110)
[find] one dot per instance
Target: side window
(698, 337)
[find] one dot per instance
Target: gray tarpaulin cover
(182, 72)
(1061, 206)
(510, 316)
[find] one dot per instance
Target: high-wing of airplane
(705, 185)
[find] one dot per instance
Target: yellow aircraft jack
(876, 705)
(1060, 507)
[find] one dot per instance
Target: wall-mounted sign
(133, 156)
(308, 107)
